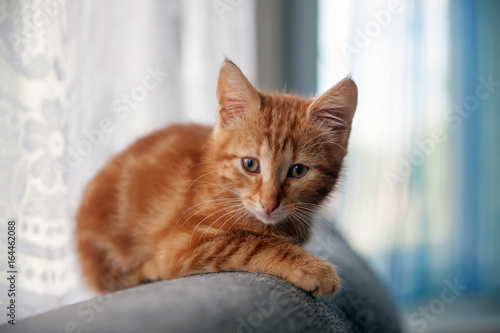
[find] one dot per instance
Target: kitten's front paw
(316, 276)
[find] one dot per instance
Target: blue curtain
(475, 45)
(420, 196)
(466, 175)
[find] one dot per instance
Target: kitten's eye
(250, 164)
(298, 171)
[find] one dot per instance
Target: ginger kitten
(237, 197)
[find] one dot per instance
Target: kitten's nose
(269, 207)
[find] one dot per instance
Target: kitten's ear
(235, 93)
(335, 108)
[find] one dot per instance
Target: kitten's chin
(266, 219)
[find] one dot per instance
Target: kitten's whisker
(201, 203)
(212, 198)
(319, 211)
(222, 202)
(308, 203)
(208, 216)
(341, 229)
(194, 181)
(302, 222)
(229, 203)
(213, 213)
(244, 213)
(309, 215)
(241, 213)
(325, 216)
(196, 165)
(190, 208)
(314, 209)
(296, 223)
(210, 226)
(248, 218)
(218, 203)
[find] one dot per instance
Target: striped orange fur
(237, 197)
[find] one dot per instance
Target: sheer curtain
(79, 81)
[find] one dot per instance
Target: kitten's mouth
(269, 219)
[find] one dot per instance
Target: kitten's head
(279, 153)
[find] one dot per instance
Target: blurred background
(420, 194)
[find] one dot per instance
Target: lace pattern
(66, 68)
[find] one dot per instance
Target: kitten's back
(131, 198)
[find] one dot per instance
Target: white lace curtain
(80, 81)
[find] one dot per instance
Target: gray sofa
(235, 302)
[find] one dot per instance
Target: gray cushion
(235, 302)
